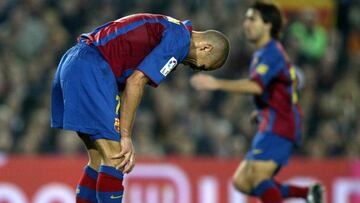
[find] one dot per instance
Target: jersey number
(118, 104)
(294, 95)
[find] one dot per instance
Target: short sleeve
(172, 50)
(267, 69)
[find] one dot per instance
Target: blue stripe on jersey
(96, 30)
(126, 29)
(271, 120)
(297, 123)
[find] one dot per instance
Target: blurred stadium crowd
(174, 119)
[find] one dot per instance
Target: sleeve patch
(168, 66)
(262, 69)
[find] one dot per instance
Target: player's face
(254, 26)
(199, 65)
(202, 62)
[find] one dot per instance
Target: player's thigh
(262, 170)
(108, 149)
(242, 177)
(252, 172)
(89, 143)
(93, 153)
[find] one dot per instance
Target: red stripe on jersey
(120, 23)
(265, 120)
(257, 79)
(129, 49)
(280, 99)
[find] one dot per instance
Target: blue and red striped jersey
(151, 43)
(279, 111)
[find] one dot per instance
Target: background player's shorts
(85, 95)
(268, 146)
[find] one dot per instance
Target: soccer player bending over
(111, 64)
(273, 83)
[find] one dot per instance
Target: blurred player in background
(121, 57)
(273, 83)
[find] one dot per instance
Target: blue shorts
(267, 146)
(84, 94)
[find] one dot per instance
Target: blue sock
(284, 189)
(86, 189)
(109, 188)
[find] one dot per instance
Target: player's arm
(241, 86)
(130, 100)
(207, 82)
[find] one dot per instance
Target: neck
(263, 41)
(191, 57)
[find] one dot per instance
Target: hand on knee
(112, 162)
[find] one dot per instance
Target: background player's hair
(270, 14)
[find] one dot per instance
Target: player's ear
(268, 26)
(206, 47)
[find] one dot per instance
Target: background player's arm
(129, 102)
(207, 82)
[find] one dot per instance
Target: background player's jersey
(279, 111)
(153, 44)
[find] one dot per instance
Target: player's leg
(254, 178)
(90, 90)
(255, 175)
(86, 189)
(312, 194)
(315, 194)
(292, 191)
(109, 185)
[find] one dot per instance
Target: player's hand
(254, 117)
(204, 82)
(128, 155)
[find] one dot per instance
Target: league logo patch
(262, 69)
(117, 125)
(168, 66)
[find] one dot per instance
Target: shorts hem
(94, 134)
(281, 163)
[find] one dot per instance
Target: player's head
(208, 50)
(262, 19)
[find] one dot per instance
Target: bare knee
(93, 153)
(94, 159)
(109, 149)
(264, 170)
(242, 178)
(251, 173)
(242, 184)
(109, 160)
